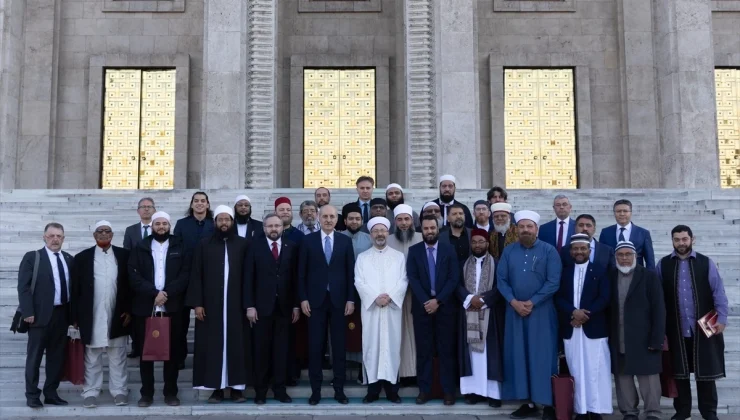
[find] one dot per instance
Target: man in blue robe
(528, 277)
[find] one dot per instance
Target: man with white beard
(404, 237)
(504, 232)
(380, 280)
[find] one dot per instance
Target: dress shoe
(370, 398)
(237, 396)
(582, 417)
(284, 398)
(314, 399)
(523, 412)
(341, 398)
(680, 417)
(34, 402)
(55, 401)
(260, 400)
(422, 398)
(394, 398)
(548, 413)
(494, 403)
(172, 401)
(181, 366)
(449, 399)
(472, 399)
(145, 401)
(594, 416)
(216, 397)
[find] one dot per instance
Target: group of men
(485, 299)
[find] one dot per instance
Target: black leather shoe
(284, 398)
(594, 416)
(449, 399)
(172, 401)
(711, 417)
(582, 417)
(237, 396)
(370, 398)
(548, 413)
(314, 399)
(679, 417)
(472, 399)
(216, 397)
(145, 401)
(394, 398)
(54, 401)
(341, 398)
(260, 399)
(34, 402)
(422, 398)
(523, 412)
(492, 402)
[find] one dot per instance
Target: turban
(447, 178)
(403, 209)
(501, 207)
(282, 200)
(242, 197)
(103, 223)
(479, 232)
(527, 215)
(378, 221)
(393, 186)
(480, 203)
(580, 238)
(350, 208)
(377, 202)
(160, 215)
(223, 209)
(429, 204)
(626, 244)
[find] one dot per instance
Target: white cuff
(466, 304)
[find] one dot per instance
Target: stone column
(687, 109)
(457, 82)
(11, 57)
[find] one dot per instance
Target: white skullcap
(378, 221)
(429, 204)
(447, 178)
(103, 223)
(393, 186)
(527, 215)
(580, 238)
(403, 209)
(501, 207)
(223, 209)
(160, 215)
(240, 198)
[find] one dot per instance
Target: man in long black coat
(222, 353)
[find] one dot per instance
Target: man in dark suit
(159, 268)
(326, 278)
(46, 310)
(433, 273)
(599, 254)
(322, 197)
(557, 232)
(446, 199)
(101, 309)
(365, 186)
(133, 235)
(272, 305)
(245, 226)
(625, 230)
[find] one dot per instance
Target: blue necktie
(327, 249)
(432, 270)
(62, 279)
(364, 213)
(621, 234)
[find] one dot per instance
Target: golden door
(728, 132)
(139, 129)
(539, 119)
(339, 127)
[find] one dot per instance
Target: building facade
(301, 93)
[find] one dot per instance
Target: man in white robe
(582, 301)
(380, 280)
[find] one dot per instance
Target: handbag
(18, 325)
(563, 391)
(156, 339)
(74, 362)
(668, 386)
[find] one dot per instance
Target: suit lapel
(45, 260)
(587, 280)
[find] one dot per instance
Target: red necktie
(560, 236)
(275, 251)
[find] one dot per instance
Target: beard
(392, 204)
(431, 240)
(404, 236)
(479, 254)
(446, 197)
(309, 222)
(501, 229)
(458, 224)
(220, 234)
(241, 220)
(629, 269)
(353, 231)
(527, 240)
(273, 236)
(687, 252)
(160, 237)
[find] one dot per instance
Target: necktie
(560, 236)
(146, 231)
(327, 249)
(621, 234)
(364, 213)
(62, 278)
(432, 269)
(275, 251)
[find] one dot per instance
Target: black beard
(432, 241)
(353, 231)
(446, 198)
(480, 254)
(458, 224)
(688, 250)
(404, 236)
(160, 237)
(241, 220)
(392, 205)
(224, 235)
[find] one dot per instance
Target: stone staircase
(714, 215)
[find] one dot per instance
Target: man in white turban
(394, 198)
(245, 225)
(380, 280)
(446, 198)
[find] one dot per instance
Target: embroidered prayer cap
(479, 232)
(103, 223)
(625, 244)
(223, 209)
(527, 215)
(580, 238)
(378, 221)
(393, 186)
(501, 207)
(447, 177)
(429, 204)
(403, 209)
(160, 215)
(377, 201)
(282, 200)
(242, 197)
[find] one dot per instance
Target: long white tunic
(589, 361)
(478, 383)
(377, 272)
(408, 341)
(105, 274)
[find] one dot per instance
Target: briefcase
(563, 392)
(156, 339)
(74, 362)
(353, 335)
(708, 323)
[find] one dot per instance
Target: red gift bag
(353, 335)
(74, 363)
(156, 339)
(563, 391)
(668, 386)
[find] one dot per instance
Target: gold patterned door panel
(728, 126)
(539, 119)
(157, 159)
(339, 127)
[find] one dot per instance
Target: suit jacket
(192, 231)
(595, 297)
(141, 276)
(40, 304)
(447, 276)
(315, 275)
(83, 292)
(469, 221)
(640, 237)
(603, 256)
(269, 282)
(549, 232)
(254, 229)
(132, 236)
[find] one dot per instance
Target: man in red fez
(284, 210)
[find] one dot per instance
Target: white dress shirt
(55, 272)
(566, 224)
(323, 240)
(241, 230)
(486, 227)
(279, 243)
(141, 228)
(159, 255)
(627, 231)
